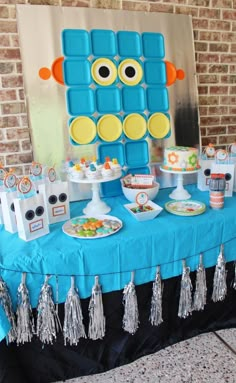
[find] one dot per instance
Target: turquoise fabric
(4, 324)
(138, 246)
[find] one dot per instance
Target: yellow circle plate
(109, 66)
(83, 130)
(158, 125)
(109, 128)
(135, 126)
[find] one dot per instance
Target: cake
(181, 158)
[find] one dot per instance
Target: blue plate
(129, 44)
(76, 42)
(153, 45)
(114, 150)
(136, 153)
(103, 42)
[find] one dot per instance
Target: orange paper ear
(56, 71)
(173, 74)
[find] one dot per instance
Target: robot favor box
(7, 202)
(56, 198)
(31, 217)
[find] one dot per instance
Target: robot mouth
(59, 210)
(36, 225)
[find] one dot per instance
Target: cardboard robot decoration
(30, 212)
(7, 202)
(56, 197)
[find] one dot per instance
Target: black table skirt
(34, 363)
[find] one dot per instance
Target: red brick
(219, 110)
(7, 95)
(18, 170)
(228, 100)
(201, 68)
(4, 14)
(202, 89)
(228, 58)
(228, 79)
(75, 3)
(229, 15)
(25, 158)
(219, 47)
(4, 41)
(187, 11)
(1, 135)
(24, 121)
(227, 139)
(161, 8)
(15, 41)
(219, 25)
(209, 100)
(201, 47)
(232, 110)
(221, 4)
(203, 110)
(17, 134)
(12, 81)
(206, 121)
(231, 129)
(9, 147)
(209, 140)
(203, 131)
(25, 145)
(218, 90)
(13, 108)
(44, 2)
(200, 23)
(6, 68)
(232, 90)
(233, 48)
(21, 94)
(9, 122)
(209, 13)
(228, 37)
(210, 36)
(218, 68)
(216, 130)
(9, 54)
(19, 68)
(8, 27)
(228, 119)
(209, 58)
(232, 68)
(208, 79)
(135, 6)
(199, 3)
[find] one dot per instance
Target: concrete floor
(207, 358)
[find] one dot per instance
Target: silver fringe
(200, 294)
(219, 283)
(48, 323)
(234, 281)
(156, 302)
(97, 320)
(5, 301)
(131, 315)
(185, 300)
(73, 328)
(24, 314)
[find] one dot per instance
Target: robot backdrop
(108, 83)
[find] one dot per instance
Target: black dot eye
(29, 215)
(104, 71)
(52, 199)
(39, 211)
(228, 176)
(130, 71)
(207, 172)
(62, 197)
(12, 207)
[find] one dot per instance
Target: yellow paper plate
(83, 130)
(158, 125)
(104, 71)
(109, 128)
(135, 126)
(130, 72)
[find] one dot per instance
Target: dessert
(77, 172)
(106, 170)
(115, 166)
(181, 158)
(92, 172)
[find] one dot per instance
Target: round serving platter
(108, 225)
(186, 208)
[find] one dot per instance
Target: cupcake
(115, 166)
(77, 172)
(106, 170)
(92, 172)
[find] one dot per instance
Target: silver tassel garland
(24, 314)
(48, 323)
(97, 320)
(5, 301)
(219, 282)
(73, 328)
(156, 302)
(200, 294)
(131, 315)
(185, 300)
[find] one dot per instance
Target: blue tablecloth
(138, 246)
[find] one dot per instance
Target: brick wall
(214, 25)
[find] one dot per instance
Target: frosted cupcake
(115, 166)
(92, 172)
(77, 172)
(107, 171)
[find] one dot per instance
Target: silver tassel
(24, 314)
(156, 302)
(234, 281)
(185, 300)
(48, 323)
(97, 320)
(131, 315)
(5, 301)
(219, 283)
(200, 294)
(73, 328)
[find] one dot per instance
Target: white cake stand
(96, 206)
(179, 193)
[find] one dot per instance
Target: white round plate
(186, 208)
(68, 227)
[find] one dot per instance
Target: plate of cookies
(86, 227)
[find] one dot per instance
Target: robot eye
(39, 211)
(29, 215)
(228, 176)
(52, 199)
(12, 207)
(62, 197)
(130, 72)
(104, 71)
(207, 172)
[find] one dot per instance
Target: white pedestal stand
(179, 193)
(96, 206)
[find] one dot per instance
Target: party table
(137, 247)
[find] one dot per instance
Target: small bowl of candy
(131, 193)
(145, 212)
